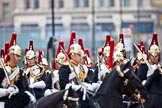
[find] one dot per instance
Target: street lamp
(93, 28)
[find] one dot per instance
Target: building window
(76, 3)
(86, 3)
(60, 3)
(111, 3)
(36, 4)
(101, 3)
(126, 3)
(27, 4)
(82, 29)
(6, 11)
(139, 3)
(141, 27)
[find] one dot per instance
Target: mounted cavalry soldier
(35, 73)
(72, 73)
(14, 87)
(59, 60)
(102, 67)
(147, 69)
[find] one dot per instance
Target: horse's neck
(110, 93)
(154, 84)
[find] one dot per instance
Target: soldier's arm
(142, 72)
(64, 72)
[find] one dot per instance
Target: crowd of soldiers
(73, 68)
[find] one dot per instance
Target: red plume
(142, 48)
(72, 40)
(13, 39)
(61, 44)
(31, 46)
(40, 56)
(2, 53)
(26, 50)
(107, 42)
(80, 42)
(110, 62)
(86, 51)
(6, 51)
(121, 38)
(154, 39)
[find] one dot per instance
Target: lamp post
(50, 44)
(53, 17)
(121, 14)
(93, 29)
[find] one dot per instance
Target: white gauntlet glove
(32, 98)
(39, 84)
(12, 90)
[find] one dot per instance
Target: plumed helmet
(75, 48)
(117, 56)
(30, 54)
(15, 49)
(72, 41)
(106, 51)
(154, 46)
(44, 62)
(140, 56)
(60, 58)
(154, 50)
(120, 45)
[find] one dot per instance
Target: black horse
(121, 80)
(154, 86)
(62, 99)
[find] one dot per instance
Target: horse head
(131, 85)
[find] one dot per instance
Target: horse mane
(154, 79)
(46, 101)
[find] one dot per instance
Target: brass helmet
(117, 56)
(154, 50)
(106, 51)
(154, 46)
(44, 62)
(30, 54)
(15, 49)
(76, 48)
(140, 56)
(120, 45)
(60, 58)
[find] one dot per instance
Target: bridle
(136, 92)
